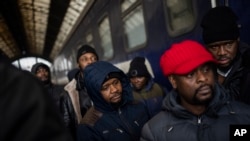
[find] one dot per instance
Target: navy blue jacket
(104, 122)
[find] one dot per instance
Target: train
(120, 30)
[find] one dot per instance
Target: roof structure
(38, 27)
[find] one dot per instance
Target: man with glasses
(222, 38)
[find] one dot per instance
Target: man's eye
(213, 47)
(104, 88)
(116, 82)
(190, 75)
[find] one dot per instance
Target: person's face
(42, 74)
(86, 59)
(112, 90)
(196, 87)
(223, 51)
(138, 82)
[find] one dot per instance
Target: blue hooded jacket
(105, 122)
(94, 75)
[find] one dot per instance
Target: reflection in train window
(134, 26)
(89, 39)
(105, 37)
(181, 16)
(70, 60)
(62, 64)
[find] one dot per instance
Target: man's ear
(172, 80)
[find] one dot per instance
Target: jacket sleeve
(146, 134)
(66, 113)
(64, 109)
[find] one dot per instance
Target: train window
(89, 39)
(26, 63)
(70, 61)
(133, 24)
(126, 4)
(180, 15)
(105, 38)
(61, 64)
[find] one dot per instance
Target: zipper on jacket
(136, 123)
(128, 126)
(119, 111)
(199, 120)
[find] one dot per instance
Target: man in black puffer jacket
(198, 108)
(221, 35)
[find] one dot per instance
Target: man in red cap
(197, 108)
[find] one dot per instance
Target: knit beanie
(219, 24)
(184, 57)
(138, 68)
(85, 49)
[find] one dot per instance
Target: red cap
(184, 57)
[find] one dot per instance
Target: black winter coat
(74, 103)
(175, 123)
(55, 92)
(238, 80)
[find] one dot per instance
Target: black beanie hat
(85, 49)
(138, 68)
(219, 24)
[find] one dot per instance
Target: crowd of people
(102, 103)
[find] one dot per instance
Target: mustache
(223, 57)
(205, 85)
(116, 93)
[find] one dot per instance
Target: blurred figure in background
(42, 72)
(144, 87)
(25, 108)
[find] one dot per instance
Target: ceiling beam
(58, 9)
(11, 13)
